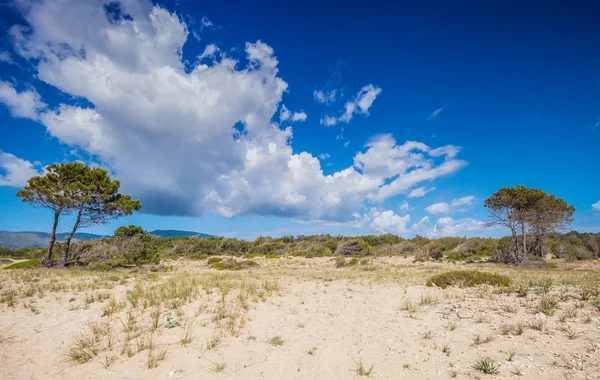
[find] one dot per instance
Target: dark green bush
(129, 231)
(468, 279)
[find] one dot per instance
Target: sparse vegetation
(487, 366)
(362, 370)
(468, 279)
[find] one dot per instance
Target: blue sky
(151, 92)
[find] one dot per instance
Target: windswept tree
(51, 191)
(76, 187)
(549, 214)
(96, 200)
(524, 210)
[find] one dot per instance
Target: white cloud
(328, 121)
(14, 171)
(404, 206)
(205, 23)
(464, 201)
(346, 144)
(447, 226)
(7, 58)
(384, 158)
(444, 208)
(299, 116)
(388, 222)
(360, 104)
(210, 51)
(420, 192)
(422, 226)
(438, 208)
(596, 206)
(203, 139)
(436, 112)
(285, 114)
(324, 156)
(325, 97)
(20, 104)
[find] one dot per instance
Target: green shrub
(33, 263)
(129, 231)
(468, 279)
(233, 264)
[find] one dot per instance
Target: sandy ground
(329, 321)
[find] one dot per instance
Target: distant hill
(29, 239)
(177, 233)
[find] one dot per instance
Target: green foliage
(523, 209)
(77, 187)
(22, 253)
(33, 263)
(487, 366)
(214, 260)
(468, 279)
(129, 231)
(233, 264)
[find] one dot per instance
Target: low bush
(214, 260)
(33, 263)
(468, 279)
(353, 247)
(233, 264)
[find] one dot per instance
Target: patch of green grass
(548, 305)
(214, 260)
(468, 279)
(233, 264)
(487, 366)
(33, 263)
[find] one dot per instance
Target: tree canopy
(526, 210)
(76, 187)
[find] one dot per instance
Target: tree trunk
(70, 237)
(523, 229)
(48, 260)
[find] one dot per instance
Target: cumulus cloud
(20, 104)
(596, 206)
(285, 114)
(388, 222)
(187, 141)
(420, 192)
(444, 207)
(14, 171)
(438, 208)
(447, 226)
(299, 116)
(325, 97)
(421, 227)
(359, 105)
